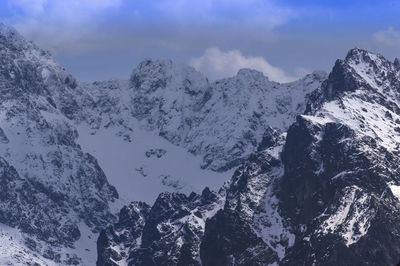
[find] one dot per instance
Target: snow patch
(138, 177)
(395, 190)
(13, 249)
(351, 220)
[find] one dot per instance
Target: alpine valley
(168, 168)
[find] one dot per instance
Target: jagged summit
(6, 30)
(166, 70)
(319, 74)
(30, 68)
(358, 56)
(12, 40)
(360, 71)
(9, 32)
(356, 52)
(247, 73)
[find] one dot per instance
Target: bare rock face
(168, 233)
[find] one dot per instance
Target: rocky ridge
(222, 121)
(49, 185)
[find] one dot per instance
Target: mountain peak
(319, 74)
(163, 72)
(357, 56)
(6, 30)
(9, 37)
(361, 70)
(358, 53)
(251, 73)
(147, 63)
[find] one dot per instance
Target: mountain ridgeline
(326, 191)
(315, 175)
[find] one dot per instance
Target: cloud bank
(59, 24)
(389, 37)
(85, 25)
(216, 64)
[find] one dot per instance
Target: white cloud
(81, 26)
(148, 28)
(389, 37)
(60, 24)
(216, 64)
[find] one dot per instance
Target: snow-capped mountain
(326, 192)
(222, 121)
(68, 149)
(220, 124)
(306, 172)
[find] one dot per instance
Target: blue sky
(101, 39)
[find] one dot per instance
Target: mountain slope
(51, 189)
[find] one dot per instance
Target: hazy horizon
(97, 40)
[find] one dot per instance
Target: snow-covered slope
(147, 164)
(129, 148)
(241, 109)
(14, 249)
